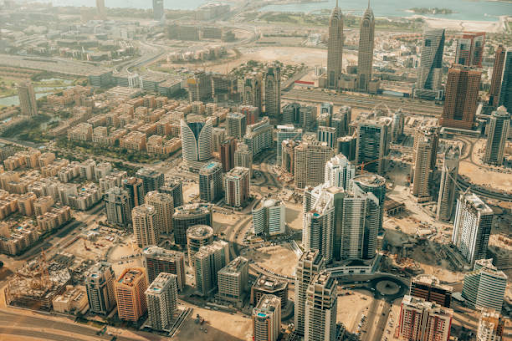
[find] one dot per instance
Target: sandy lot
(486, 177)
(278, 259)
(463, 25)
(219, 325)
(351, 307)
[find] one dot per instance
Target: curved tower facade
(196, 139)
(335, 48)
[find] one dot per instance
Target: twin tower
(335, 49)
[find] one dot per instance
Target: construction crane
(364, 164)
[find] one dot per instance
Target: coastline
(465, 25)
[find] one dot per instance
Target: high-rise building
(236, 184)
(335, 48)
(251, 113)
(373, 140)
(424, 321)
(273, 91)
(232, 281)
(210, 182)
(158, 260)
(243, 157)
(327, 135)
(339, 172)
(266, 319)
(164, 209)
(196, 142)
(199, 85)
(99, 283)
(158, 10)
(397, 126)
(100, 9)
(291, 113)
(286, 132)
(365, 54)
(460, 103)
(497, 134)
(470, 49)
(430, 71)
(425, 155)
(375, 184)
(27, 97)
(497, 76)
(321, 308)
(259, 136)
(270, 218)
(448, 188)
(310, 264)
(490, 327)
(484, 287)
(129, 289)
(162, 301)
(190, 215)
(117, 204)
(175, 189)
(310, 157)
(218, 136)
(197, 237)
(252, 93)
(472, 227)
(265, 285)
(227, 154)
(144, 225)
(430, 289)
(207, 263)
(236, 125)
(347, 146)
(135, 189)
(152, 180)
(505, 98)
(341, 120)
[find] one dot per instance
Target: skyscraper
(373, 139)
(236, 125)
(243, 157)
(27, 97)
(197, 237)
(448, 188)
(490, 327)
(196, 142)
(135, 189)
(100, 9)
(158, 10)
(117, 204)
(162, 301)
(227, 154)
(253, 91)
(210, 182)
(335, 48)
(484, 287)
(266, 319)
(431, 64)
(270, 218)
(424, 321)
(430, 289)
(164, 209)
(339, 172)
(472, 227)
(273, 91)
(497, 134)
(506, 82)
(259, 136)
(144, 225)
(207, 263)
(321, 308)
(470, 49)
(375, 184)
(327, 135)
(286, 132)
(365, 53)
(310, 264)
(236, 185)
(233, 280)
(158, 260)
(310, 157)
(190, 215)
(497, 76)
(99, 282)
(425, 151)
(175, 189)
(152, 180)
(129, 289)
(218, 135)
(460, 104)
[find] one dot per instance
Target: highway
(364, 101)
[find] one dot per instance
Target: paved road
(411, 106)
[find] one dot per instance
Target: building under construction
(36, 284)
